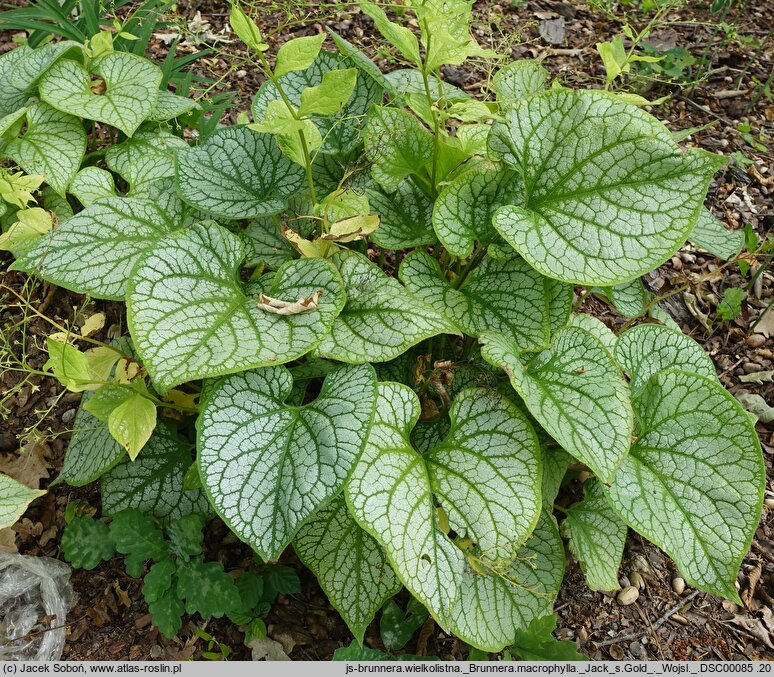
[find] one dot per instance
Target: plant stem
(472, 264)
(291, 109)
(436, 121)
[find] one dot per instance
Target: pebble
(68, 416)
(769, 503)
(637, 580)
(756, 340)
(628, 595)
(583, 634)
(678, 585)
(751, 367)
(682, 620)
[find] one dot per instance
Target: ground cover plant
(360, 306)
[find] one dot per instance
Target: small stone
(68, 416)
(756, 340)
(729, 606)
(678, 585)
(637, 580)
(751, 367)
(682, 620)
(583, 634)
(769, 503)
(628, 595)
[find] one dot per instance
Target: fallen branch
(641, 633)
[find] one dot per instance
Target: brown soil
(110, 620)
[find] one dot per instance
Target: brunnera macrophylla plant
(360, 306)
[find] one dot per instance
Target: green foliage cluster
(178, 579)
(364, 297)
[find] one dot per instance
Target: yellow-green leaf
(132, 422)
(298, 54)
(246, 29)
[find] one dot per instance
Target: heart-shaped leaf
(693, 481)
(94, 251)
(502, 295)
(237, 173)
(153, 483)
(53, 145)
(482, 595)
(464, 209)
(147, 157)
(295, 459)
(92, 450)
(596, 537)
(170, 106)
(29, 69)
(405, 217)
(350, 565)
(92, 184)
(576, 392)
(381, 319)
(131, 89)
(608, 194)
(519, 80)
(649, 348)
(191, 318)
(13, 97)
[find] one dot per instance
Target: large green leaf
(485, 476)
(340, 132)
(95, 251)
(350, 565)
(147, 157)
(405, 217)
(381, 319)
(502, 295)
(464, 209)
(609, 195)
(693, 481)
(28, 70)
(596, 537)
(131, 82)
(519, 80)
(92, 184)
(649, 348)
(92, 450)
(265, 243)
(631, 299)
(237, 173)
(267, 466)
(13, 97)
(397, 145)
(191, 318)
(576, 392)
(53, 145)
(14, 499)
(153, 483)
(711, 235)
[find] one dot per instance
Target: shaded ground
(110, 619)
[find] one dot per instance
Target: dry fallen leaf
(267, 649)
(760, 625)
(29, 466)
(765, 325)
(279, 307)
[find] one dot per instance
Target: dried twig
(639, 634)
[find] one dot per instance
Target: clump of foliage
(179, 580)
(363, 300)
